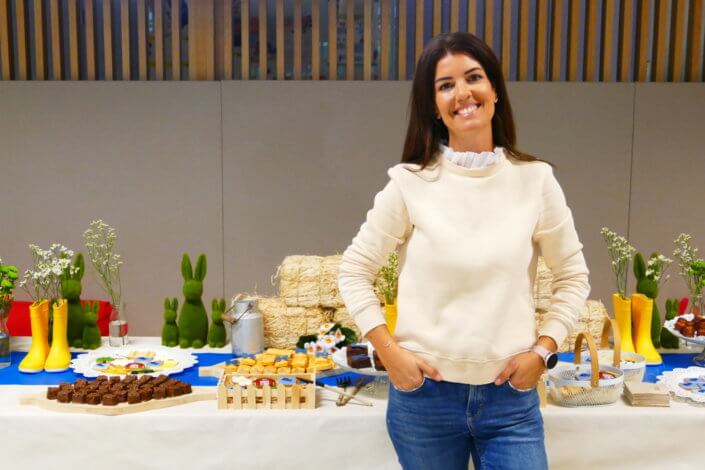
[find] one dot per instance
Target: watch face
(551, 361)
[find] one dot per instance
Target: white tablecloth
(198, 436)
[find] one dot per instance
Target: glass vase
(5, 306)
(117, 327)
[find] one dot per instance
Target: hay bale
(342, 316)
(592, 318)
(311, 281)
(283, 325)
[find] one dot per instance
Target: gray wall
(249, 172)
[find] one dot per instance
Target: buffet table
(197, 435)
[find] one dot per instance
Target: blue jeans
(441, 425)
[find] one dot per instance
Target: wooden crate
(232, 396)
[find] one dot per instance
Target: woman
(469, 214)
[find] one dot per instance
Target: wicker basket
(580, 384)
(632, 364)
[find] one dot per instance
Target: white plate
(671, 326)
(112, 361)
(340, 357)
(673, 378)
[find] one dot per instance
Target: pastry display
(280, 361)
(117, 363)
(114, 390)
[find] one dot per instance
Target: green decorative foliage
(170, 331)
(91, 333)
(193, 320)
(668, 340)
(216, 332)
(71, 289)
(649, 276)
(306, 339)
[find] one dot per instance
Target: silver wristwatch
(550, 359)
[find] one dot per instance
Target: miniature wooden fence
(232, 396)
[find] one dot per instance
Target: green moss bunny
(193, 320)
(216, 332)
(170, 331)
(91, 334)
(71, 289)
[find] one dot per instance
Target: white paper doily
(340, 357)
(674, 378)
(671, 326)
(152, 361)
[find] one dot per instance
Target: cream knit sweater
(468, 243)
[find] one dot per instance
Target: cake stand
(670, 325)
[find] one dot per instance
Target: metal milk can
(246, 327)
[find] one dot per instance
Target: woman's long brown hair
(425, 133)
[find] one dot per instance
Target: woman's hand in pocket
(523, 371)
(406, 370)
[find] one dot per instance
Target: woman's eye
(475, 77)
(445, 86)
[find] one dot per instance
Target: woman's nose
(463, 90)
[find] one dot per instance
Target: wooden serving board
(212, 371)
(40, 400)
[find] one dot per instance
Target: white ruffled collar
(472, 159)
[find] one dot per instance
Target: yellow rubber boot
(59, 357)
(623, 314)
(642, 309)
(34, 361)
(390, 315)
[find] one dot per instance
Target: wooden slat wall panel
(667, 45)
(73, 40)
(472, 16)
(541, 38)
(625, 39)
(142, 39)
(333, 39)
(402, 40)
(607, 40)
(55, 42)
(419, 29)
(245, 39)
(90, 41)
(661, 29)
(5, 39)
(367, 41)
(262, 13)
(489, 22)
(524, 41)
(39, 40)
(298, 12)
(437, 17)
(385, 50)
(573, 35)
(201, 45)
(21, 41)
(642, 32)
(590, 48)
(679, 23)
(454, 16)
(695, 28)
(506, 37)
(228, 40)
(280, 39)
(556, 39)
(125, 38)
(158, 40)
(315, 40)
(175, 40)
(219, 31)
(349, 39)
